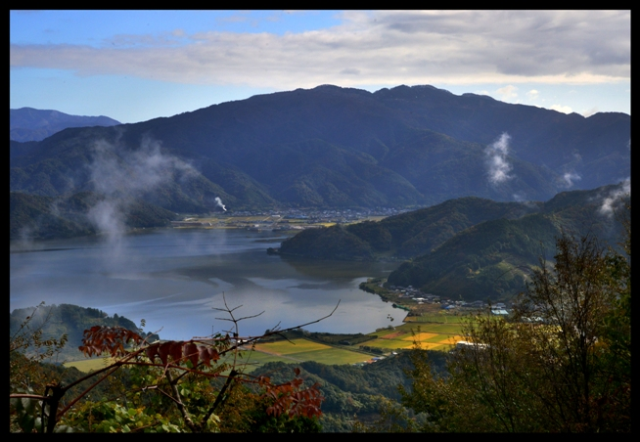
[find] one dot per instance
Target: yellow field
(420, 337)
(431, 346)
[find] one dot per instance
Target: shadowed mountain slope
(342, 147)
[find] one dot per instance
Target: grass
(333, 356)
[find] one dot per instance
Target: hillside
(335, 147)
(405, 235)
(469, 246)
(35, 217)
(493, 259)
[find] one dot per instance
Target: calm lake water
(175, 278)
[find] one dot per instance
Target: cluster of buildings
(310, 213)
(312, 216)
(291, 219)
(416, 295)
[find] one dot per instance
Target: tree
(561, 363)
(174, 386)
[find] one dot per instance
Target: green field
(334, 356)
(291, 347)
(87, 365)
(437, 317)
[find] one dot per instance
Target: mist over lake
(174, 278)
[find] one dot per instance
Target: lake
(174, 278)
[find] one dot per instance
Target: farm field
(435, 332)
(305, 350)
(438, 332)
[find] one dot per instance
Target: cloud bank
(381, 47)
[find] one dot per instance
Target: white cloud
(384, 47)
(590, 111)
(507, 92)
(561, 108)
(533, 94)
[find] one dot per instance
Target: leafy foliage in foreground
(175, 386)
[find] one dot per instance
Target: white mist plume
(609, 203)
(497, 165)
(120, 175)
(132, 173)
(106, 216)
(219, 203)
(569, 178)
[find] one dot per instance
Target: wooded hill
(66, 319)
(333, 147)
(471, 247)
(37, 217)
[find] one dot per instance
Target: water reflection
(173, 278)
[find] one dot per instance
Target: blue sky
(138, 65)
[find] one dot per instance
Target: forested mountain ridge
(341, 147)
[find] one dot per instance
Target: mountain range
(28, 124)
(332, 147)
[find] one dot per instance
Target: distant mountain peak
(29, 124)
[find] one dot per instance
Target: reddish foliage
(181, 350)
(101, 339)
(288, 398)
